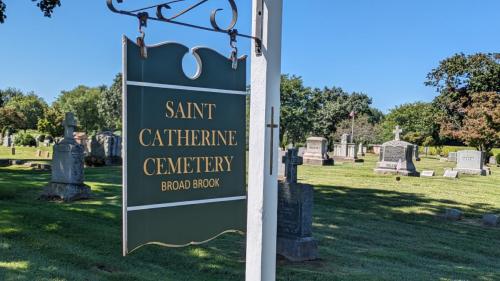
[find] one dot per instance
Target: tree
(332, 105)
(418, 121)
(7, 94)
(110, 105)
(295, 110)
(364, 130)
(82, 102)
(52, 122)
(10, 118)
(31, 108)
(456, 79)
(46, 6)
(481, 125)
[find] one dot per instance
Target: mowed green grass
(23, 152)
(369, 227)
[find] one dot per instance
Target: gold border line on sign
(188, 244)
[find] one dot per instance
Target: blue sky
(383, 48)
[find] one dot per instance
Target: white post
(263, 169)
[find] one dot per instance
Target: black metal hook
(161, 17)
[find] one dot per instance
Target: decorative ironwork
(143, 15)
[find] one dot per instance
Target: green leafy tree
(481, 125)
(418, 121)
(10, 118)
(456, 79)
(30, 106)
(295, 110)
(46, 6)
(365, 131)
(332, 105)
(110, 105)
(52, 122)
(7, 94)
(82, 102)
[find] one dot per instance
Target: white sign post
(264, 142)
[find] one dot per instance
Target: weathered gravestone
(295, 205)
(493, 160)
(450, 174)
(470, 162)
(396, 157)
(376, 148)
(416, 155)
(67, 167)
(316, 152)
(361, 150)
(7, 139)
(346, 150)
(427, 174)
(105, 147)
(452, 157)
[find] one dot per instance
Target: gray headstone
(491, 220)
(67, 167)
(396, 157)
(291, 161)
(450, 174)
(294, 230)
(470, 162)
(316, 152)
(427, 174)
(452, 157)
(493, 160)
(453, 214)
(415, 153)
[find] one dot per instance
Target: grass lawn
(369, 227)
(23, 152)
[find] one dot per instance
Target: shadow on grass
(363, 234)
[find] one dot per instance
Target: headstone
(361, 150)
(493, 160)
(281, 165)
(396, 157)
(450, 174)
(302, 150)
(377, 148)
(7, 139)
(316, 152)
(38, 153)
(470, 162)
(415, 153)
(491, 220)
(427, 174)
(453, 214)
(346, 150)
(67, 167)
(295, 205)
(452, 157)
(46, 142)
(13, 150)
(105, 146)
(426, 150)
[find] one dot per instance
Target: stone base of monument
(294, 229)
(408, 173)
(301, 249)
(347, 160)
(66, 192)
(318, 161)
(479, 172)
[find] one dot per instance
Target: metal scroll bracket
(159, 15)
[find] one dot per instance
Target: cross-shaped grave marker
(291, 160)
(397, 131)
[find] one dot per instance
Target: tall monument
(67, 167)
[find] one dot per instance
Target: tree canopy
(46, 6)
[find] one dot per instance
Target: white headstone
(470, 162)
(450, 174)
(427, 174)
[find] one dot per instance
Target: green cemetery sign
(185, 138)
